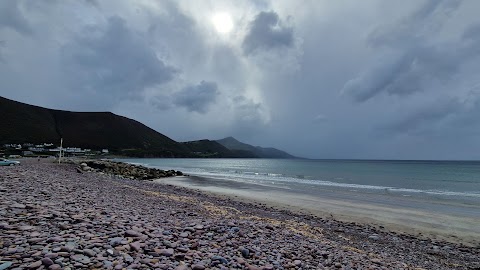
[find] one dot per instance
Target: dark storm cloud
(174, 24)
(197, 98)
(93, 2)
(415, 28)
(444, 117)
(407, 60)
(267, 32)
(11, 16)
(427, 116)
(2, 45)
(471, 39)
(114, 60)
(404, 73)
(442, 63)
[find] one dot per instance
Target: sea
(458, 180)
(440, 195)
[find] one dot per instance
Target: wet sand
(421, 217)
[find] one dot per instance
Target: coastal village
(47, 150)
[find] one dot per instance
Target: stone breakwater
(52, 217)
(125, 170)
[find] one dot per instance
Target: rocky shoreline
(52, 217)
(122, 169)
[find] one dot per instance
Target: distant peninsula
(24, 124)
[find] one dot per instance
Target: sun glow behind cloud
(308, 64)
(223, 23)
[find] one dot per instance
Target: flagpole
(61, 147)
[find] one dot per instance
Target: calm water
(444, 180)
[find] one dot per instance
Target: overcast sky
(320, 79)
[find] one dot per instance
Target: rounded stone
(47, 261)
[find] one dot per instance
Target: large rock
(133, 233)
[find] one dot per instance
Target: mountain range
(261, 152)
(23, 123)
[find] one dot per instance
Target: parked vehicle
(6, 162)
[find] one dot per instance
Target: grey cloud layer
(407, 59)
(114, 60)
(267, 32)
(324, 79)
(197, 98)
(11, 16)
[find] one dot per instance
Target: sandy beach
(53, 217)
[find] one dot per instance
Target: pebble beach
(53, 216)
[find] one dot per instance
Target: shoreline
(54, 217)
(364, 209)
(411, 221)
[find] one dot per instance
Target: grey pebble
(5, 265)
